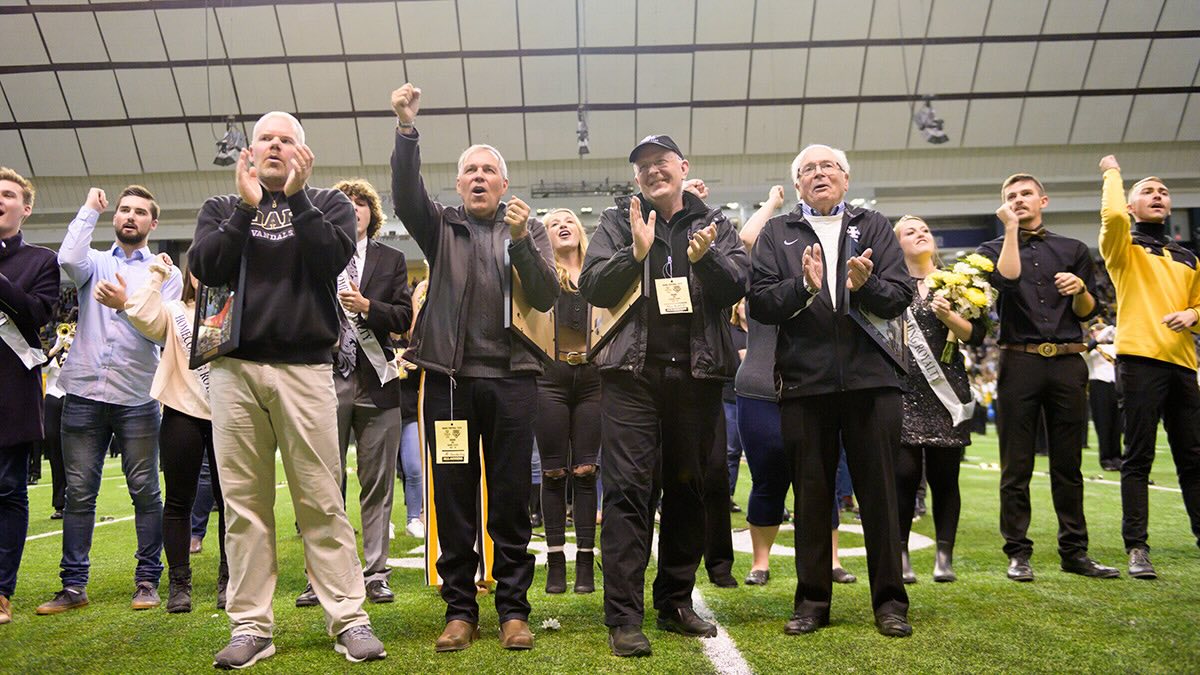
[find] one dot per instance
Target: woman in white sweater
(185, 436)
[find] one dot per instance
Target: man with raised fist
(288, 243)
(661, 378)
(479, 385)
(1158, 309)
(107, 379)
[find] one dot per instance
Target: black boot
(556, 572)
(179, 598)
(585, 564)
(906, 570)
(222, 584)
(943, 563)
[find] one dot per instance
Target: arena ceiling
(124, 87)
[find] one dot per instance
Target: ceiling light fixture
(230, 145)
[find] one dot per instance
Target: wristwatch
(811, 290)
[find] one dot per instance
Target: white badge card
(451, 441)
(673, 295)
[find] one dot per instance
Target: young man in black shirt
(1041, 370)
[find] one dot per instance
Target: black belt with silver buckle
(573, 358)
(1048, 349)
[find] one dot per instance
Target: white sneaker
(416, 528)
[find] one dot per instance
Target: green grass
(983, 623)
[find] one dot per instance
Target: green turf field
(982, 623)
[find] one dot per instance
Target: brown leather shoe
(458, 636)
(514, 634)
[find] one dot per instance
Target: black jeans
(868, 422)
(501, 413)
(183, 443)
(1106, 415)
(568, 436)
(52, 448)
(1150, 389)
(664, 418)
(1056, 386)
(941, 472)
(14, 511)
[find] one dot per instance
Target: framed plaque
(218, 321)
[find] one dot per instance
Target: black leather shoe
(802, 625)
(733, 506)
(722, 580)
(841, 576)
(378, 591)
(758, 577)
(893, 625)
(1087, 567)
(685, 621)
(1019, 569)
(628, 641)
(1140, 566)
(308, 598)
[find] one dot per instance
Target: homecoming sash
(385, 369)
(31, 357)
(183, 328)
(932, 370)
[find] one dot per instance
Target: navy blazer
(29, 288)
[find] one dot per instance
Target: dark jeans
(87, 428)
(718, 532)
(1150, 390)
(500, 412)
(868, 422)
(568, 439)
(203, 506)
(941, 471)
(52, 423)
(733, 444)
(185, 442)
(1030, 384)
(660, 418)
(1106, 415)
(14, 511)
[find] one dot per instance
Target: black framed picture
(218, 320)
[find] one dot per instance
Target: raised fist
(405, 102)
(96, 200)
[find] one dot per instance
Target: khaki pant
(257, 407)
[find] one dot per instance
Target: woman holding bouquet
(937, 400)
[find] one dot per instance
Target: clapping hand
(643, 230)
(814, 267)
(111, 294)
(700, 242)
(858, 269)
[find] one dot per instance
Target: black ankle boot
(179, 598)
(585, 572)
(222, 584)
(556, 572)
(943, 563)
(535, 508)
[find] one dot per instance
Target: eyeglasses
(825, 167)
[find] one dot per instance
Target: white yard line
(721, 651)
(102, 523)
(1046, 474)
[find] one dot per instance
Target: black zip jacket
(444, 235)
(716, 282)
(294, 247)
(821, 350)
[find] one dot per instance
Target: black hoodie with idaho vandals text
(295, 247)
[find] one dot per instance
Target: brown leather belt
(1048, 349)
(573, 358)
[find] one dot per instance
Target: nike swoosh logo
(789, 243)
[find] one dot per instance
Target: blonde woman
(568, 425)
(185, 435)
(928, 434)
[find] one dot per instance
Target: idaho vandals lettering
(272, 226)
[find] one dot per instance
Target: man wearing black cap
(661, 384)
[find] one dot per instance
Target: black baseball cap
(661, 140)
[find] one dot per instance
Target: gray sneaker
(244, 651)
(359, 643)
(145, 596)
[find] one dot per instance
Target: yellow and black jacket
(1154, 277)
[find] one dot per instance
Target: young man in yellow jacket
(1158, 310)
